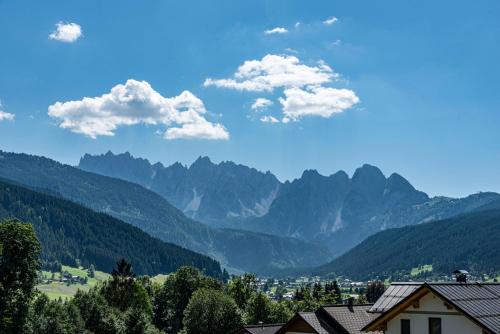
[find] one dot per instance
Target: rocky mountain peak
(201, 162)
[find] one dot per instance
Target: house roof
(480, 302)
(316, 322)
(393, 295)
(335, 319)
(262, 329)
(351, 318)
(311, 319)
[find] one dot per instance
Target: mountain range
(205, 191)
(336, 211)
(134, 204)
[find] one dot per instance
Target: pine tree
(91, 271)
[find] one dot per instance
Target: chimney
(350, 303)
(460, 276)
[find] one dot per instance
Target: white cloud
(297, 25)
(136, 102)
(331, 20)
(5, 116)
(269, 119)
(316, 101)
(277, 30)
(274, 71)
(66, 32)
(305, 93)
(261, 103)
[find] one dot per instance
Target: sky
(409, 86)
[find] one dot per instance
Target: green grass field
(421, 269)
(56, 290)
(160, 278)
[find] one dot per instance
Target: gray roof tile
(480, 301)
(353, 318)
(265, 329)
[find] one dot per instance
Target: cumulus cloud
(269, 119)
(331, 20)
(277, 30)
(317, 101)
(305, 93)
(5, 116)
(136, 102)
(66, 32)
(261, 103)
(274, 71)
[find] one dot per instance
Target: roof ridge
(263, 325)
(344, 305)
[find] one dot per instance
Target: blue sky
(411, 87)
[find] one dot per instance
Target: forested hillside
(150, 212)
(69, 233)
(469, 241)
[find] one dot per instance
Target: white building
(438, 308)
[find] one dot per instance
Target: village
(453, 307)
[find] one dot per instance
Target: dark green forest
(72, 234)
(470, 241)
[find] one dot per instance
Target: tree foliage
(211, 312)
(19, 251)
(173, 297)
(374, 291)
(241, 289)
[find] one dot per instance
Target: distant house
(438, 308)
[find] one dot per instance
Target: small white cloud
(136, 102)
(330, 21)
(277, 30)
(297, 25)
(316, 101)
(261, 103)
(66, 32)
(274, 71)
(269, 119)
(5, 116)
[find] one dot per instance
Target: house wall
(431, 306)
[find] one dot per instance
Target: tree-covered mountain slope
(149, 211)
(469, 241)
(211, 193)
(69, 233)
